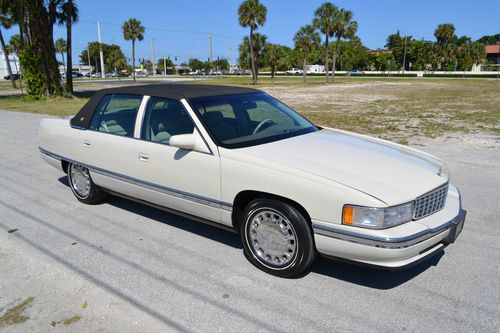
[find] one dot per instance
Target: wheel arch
(64, 165)
(243, 198)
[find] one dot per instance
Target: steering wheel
(256, 130)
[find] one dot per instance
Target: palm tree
(273, 54)
(61, 47)
(68, 15)
(444, 33)
(133, 30)
(252, 14)
(344, 28)
(6, 22)
(324, 20)
(15, 43)
(306, 39)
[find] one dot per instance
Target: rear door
(188, 181)
(108, 144)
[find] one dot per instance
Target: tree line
(341, 49)
(329, 40)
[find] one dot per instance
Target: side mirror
(191, 141)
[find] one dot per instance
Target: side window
(116, 114)
(165, 118)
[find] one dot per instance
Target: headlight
(377, 218)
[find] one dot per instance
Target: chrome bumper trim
(385, 242)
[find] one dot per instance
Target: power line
(168, 30)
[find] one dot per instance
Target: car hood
(390, 172)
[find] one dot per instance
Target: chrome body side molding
(154, 187)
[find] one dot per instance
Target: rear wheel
(82, 185)
(277, 238)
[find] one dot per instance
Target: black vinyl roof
(175, 91)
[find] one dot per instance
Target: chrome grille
(430, 203)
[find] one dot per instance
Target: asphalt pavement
(122, 266)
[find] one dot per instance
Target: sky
(180, 29)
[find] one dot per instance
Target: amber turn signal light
(347, 215)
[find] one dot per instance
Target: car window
(243, 120)
(266, 111)
(116, 114)
(165, 118)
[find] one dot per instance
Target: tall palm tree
(344, 28)
(61, 47)
(259, 46)
(306, 40)
(133, 30)
(273, 54)
(444, 33)
(252, 14)
(324, 20)
(68, 15)
(6, 23)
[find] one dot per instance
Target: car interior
(165, 119)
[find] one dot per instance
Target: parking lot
(121, 266)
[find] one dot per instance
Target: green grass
(15, 315)
(56, 106)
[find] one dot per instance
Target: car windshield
(236, 121)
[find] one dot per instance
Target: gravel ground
(121, 266)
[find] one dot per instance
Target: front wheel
(277, 238)
(82, 185)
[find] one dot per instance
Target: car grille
(430, 203)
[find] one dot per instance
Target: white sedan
(240, 159)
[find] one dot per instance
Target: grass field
(398, 109)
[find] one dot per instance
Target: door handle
(144, 157)
(86, 143)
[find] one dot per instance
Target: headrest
(213, 117)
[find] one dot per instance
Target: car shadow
(371, 277)
(158, 215)
(361, 275)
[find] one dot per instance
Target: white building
(14, 64)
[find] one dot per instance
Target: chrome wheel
(80, 180)
(272, 238)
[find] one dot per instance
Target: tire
(277, 238)
(82, 186)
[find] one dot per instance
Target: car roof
(179, 90)
(176, 91)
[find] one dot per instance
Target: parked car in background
(16, 76)
(294, 71)
(238, 158)
(355, 72)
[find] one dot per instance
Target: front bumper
(397, 247)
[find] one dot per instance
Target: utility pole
(101, 55)
(404, 55)
(88, 56)
(153, 51)
(165, 64)
(210, 52)
(230, 58)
